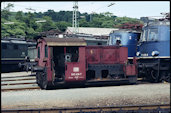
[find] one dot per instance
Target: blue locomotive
(154, 50)
(151, 47)
(125, 37)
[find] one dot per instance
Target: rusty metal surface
(106, 54)
(65, 42)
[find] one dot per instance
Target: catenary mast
(75, 24)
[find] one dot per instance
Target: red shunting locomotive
(63, 61)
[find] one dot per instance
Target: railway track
(26, 83)
(19, 81)
(114, 109)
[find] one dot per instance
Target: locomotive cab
(154, 51)
(60, 57)
(125, 38)
(60, 61)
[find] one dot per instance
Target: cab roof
(65, 41)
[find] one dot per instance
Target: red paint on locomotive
(76, 71)
(70, 60)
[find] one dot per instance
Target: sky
(133, 9)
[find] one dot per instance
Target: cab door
(47, 62)
(76, 71)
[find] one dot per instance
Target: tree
(107, 24)
(49, 24)
(18, 28)
(25, 23)
(62, 25)
(30, 33)
(19, 16)
(29, 19)
(96, 22)
(51, 13)
(38, 15)
(4, 29)
(108, 14)
(83, 23)
(5, 13)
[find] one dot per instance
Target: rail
(165, 108)
(18, 82)
(30, 85)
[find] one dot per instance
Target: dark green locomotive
(13, 52)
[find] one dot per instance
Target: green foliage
(108, 24)
(5, 13)
(25, 23)
(48, 25)
(62, 25)
(13, 29)
(123, 20)
(84, 23)
(19, 16)
(31, 33)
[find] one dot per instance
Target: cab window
(117, 37)
(38, 52)
(152, 34)
(143, 36)
(46, 51)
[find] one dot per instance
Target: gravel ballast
(91, 96)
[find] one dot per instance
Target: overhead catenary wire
(39, 8)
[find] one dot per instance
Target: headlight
(117, 38)
(138, 53)
(155, 53)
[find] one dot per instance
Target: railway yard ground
(32, 97)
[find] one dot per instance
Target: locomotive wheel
(165, 76)
(38, 78)
(153, 76)
(44, 82)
